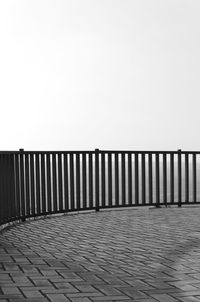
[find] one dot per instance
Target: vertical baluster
(27, 187)
(22, 187)
(12, 185)
(38, 201)
(165, 179)
(2, 202)
(130, 200)
(194, 164)
(32, 179)
(97, 179)
(7, 187)
(110, 179)
(1, 194)
(103, 180)
(179, 179)
(3, 210)
(157, 181)
(15, 189)
(18, 197)
(90, 181)
(78, 180)
(150, 179)
(117, 179)
(84, 173)
(2, 188)
(43, 184)
(136, 180)
(143, 180)
(123, 179)
(66, 180)
(72, 181)
(60, 182)
(186, 178)
(49, 184)
(172, 178)
(54, 174)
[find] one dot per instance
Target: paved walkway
(142, 255)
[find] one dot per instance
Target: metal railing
(36, 183)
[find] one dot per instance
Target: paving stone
(10, 296)
(164, 298)
(86, 288)
(80, 300)
(190, 299)
(108, 290)
(51, 290)
(34, 293)
(144, 300)
(29, 300)
(10, 291)
(111, 298)
(132, 293)
(44, 282)
(58, 298)
(89, 294)
(186, 293)
(131, 255)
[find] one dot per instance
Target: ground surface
(130, 255)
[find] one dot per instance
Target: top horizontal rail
(46, 152)
(149, 152)
(101, 151)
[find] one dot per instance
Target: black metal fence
(36, 183)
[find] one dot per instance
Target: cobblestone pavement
(142, 255)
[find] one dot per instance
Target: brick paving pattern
(143, 255)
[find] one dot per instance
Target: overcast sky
(107, 74)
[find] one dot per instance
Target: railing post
(21, 168)
(97, 179)
(179, 179)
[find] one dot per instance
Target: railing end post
(21, 150)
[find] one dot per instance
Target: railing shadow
(178, 265)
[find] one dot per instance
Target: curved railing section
(37, 183)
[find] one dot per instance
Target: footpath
(138, 254)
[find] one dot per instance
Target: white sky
(107, 74)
